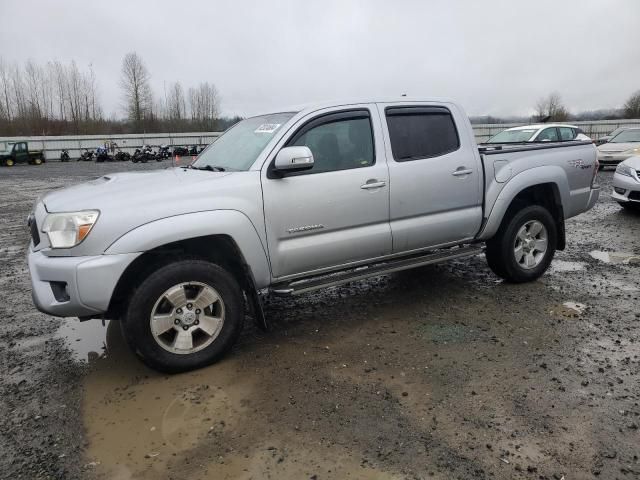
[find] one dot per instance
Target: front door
(337, 212)
(20, 151)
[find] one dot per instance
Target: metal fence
(75, 144)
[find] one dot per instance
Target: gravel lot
(441, 372)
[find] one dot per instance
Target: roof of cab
(311, 107)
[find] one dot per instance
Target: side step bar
(304, 285)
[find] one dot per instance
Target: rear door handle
(461, 171)
(373, 184)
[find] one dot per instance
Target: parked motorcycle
(86, 156)
(180, 151)
(193, 150)
(163, 152)
(144, 155)
(102, 155)
(121, 156)
(139, 156)
(64, 156)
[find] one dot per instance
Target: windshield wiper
(211, 168)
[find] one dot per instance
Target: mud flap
(255, 303)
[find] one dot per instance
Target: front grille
(35, 235)
(634, 196)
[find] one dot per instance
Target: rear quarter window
(421, 132)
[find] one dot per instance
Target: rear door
(567, 133)
(337, 212)
(435, 176)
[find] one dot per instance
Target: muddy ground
(442, 372)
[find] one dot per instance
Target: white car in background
(544, 132)
(624, 145)
(626, 183)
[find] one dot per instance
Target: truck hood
(128, 200)
(130, 190)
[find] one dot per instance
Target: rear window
(421, 132)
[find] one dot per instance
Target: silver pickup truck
(290, 202)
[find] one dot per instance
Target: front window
(240, 146)
(626, 136)
(339, 144)
(513, 136)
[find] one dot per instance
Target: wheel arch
(225, 237)
(549, 189)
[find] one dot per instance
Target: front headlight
(632, 151)
(66, 230)
(623, 169)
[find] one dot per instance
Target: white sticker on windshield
(267, 128)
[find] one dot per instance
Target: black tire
(136, 322)
(500, 249)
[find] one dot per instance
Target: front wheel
(9, 162)
(524, 245)
(184, 316)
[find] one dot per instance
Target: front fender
(199, 224)
(528, 178)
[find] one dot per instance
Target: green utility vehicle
(18, 152)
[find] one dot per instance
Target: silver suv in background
(291, 202)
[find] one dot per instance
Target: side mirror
(294, 159)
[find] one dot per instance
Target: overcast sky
(495, 57)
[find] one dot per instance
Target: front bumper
(75, 286)
(612, 158)
(628, 187)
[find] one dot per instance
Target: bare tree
(176, 103)
(5, 86)
(135, 87)
(205, 104)
(551, 108)
(59, 78)
(632, 106)
(19, 94)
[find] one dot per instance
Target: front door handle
(461, 171)
(373, 183)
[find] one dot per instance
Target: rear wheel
(523, 247)
(184, 316)
(37, 161)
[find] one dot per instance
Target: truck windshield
(512, 136)
(239, 147)
(627, 136)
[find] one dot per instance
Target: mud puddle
(561, 266)
(616, 257)
(213, 423)
(87, 341)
